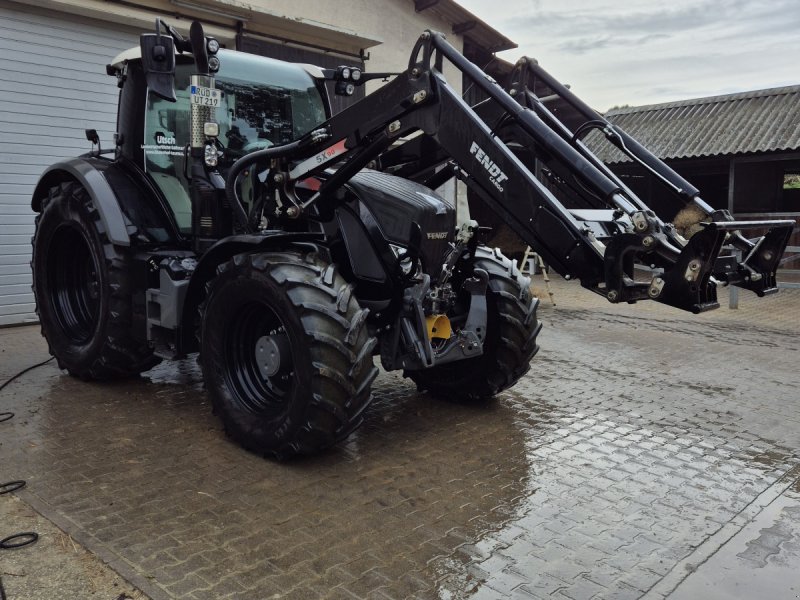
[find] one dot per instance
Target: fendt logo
(496, 174)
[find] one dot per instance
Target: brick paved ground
(640, 434)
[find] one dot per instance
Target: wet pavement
(648, 453)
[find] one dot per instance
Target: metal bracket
(469, 341)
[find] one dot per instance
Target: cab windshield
(264, 103)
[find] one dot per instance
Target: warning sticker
(326, 155)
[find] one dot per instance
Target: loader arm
(761, 256)
(599, 250)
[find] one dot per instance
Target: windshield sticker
(165, 146)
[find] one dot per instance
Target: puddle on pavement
(760, 561)
(612, 503)
(427, 497)
(146, 469)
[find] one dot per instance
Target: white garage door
(53, 86)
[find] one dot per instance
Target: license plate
(205, 96)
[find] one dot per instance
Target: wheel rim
(258, 385)
(73, 284)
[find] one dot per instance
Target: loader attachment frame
(757, 270)
(600, 249)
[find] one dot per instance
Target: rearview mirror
(158, 61)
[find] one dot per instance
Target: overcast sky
(642, 52)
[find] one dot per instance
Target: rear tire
(510, 344)
(82, 284)
(285, 352)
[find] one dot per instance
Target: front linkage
(699, 265)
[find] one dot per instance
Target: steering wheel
(256, 145)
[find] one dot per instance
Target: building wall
(394, 22)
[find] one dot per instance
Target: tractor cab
(260, 102)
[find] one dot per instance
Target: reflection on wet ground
(759, 561)
(629, 444)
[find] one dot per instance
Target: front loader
(238, 218)
(545, 132)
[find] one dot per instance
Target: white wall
(394, 22)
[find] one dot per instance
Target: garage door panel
(14, 260)
(7, 228)
(76, 144)
(16, 271)
(21, 286)
(18, 313)
(72, 129)
(43, 102)
(65, 70)
(7, 312)
(54, 87)
(15, 255)
(17, 170)
(17, 177)
(19, 190)
(28, 160)
(41, 114)
(86, 31)
(15, 209)
(52, 47)
(21, 219)
(24, 297)
(17, 239)
(19, 166)
(56, 83)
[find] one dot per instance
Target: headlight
(212, 45)
(211, 156)
(211, 129)
(355, 75)
(350, 89)
(345, 73)
(213, 64)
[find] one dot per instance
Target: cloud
(619, 20)
(583, 45)
(594, 21)
(643, 52)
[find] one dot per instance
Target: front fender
(224, 250)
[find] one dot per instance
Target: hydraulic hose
(246, 161)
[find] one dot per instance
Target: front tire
(285, 353)
(83, 290)
(510, 344)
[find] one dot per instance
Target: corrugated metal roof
(742, 123)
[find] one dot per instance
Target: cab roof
(135, 53)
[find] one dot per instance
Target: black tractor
(237, 217)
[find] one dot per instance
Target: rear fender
(91, 178)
